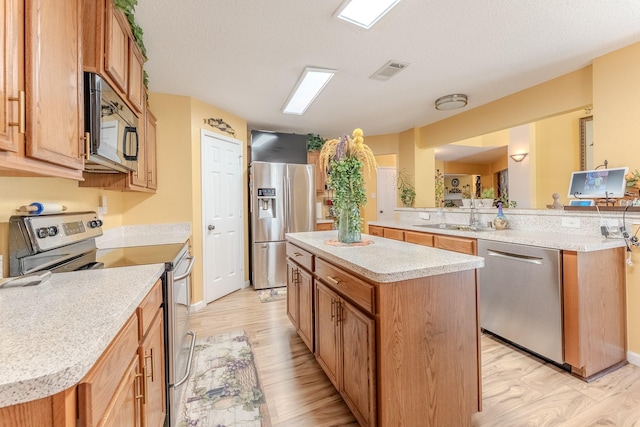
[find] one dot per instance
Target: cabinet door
(292, 292)
(358, 363)
(135, 92)
(139, 174)
(9, 89)
(313, 158)
(374, 230)
(152, 360)
(456, 244)
(116, 46)
(55, 122)
(150, 146)
(327, 303)
(125, 411)
(305, 308)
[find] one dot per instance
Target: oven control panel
(52, 231)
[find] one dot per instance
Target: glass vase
(349, 225)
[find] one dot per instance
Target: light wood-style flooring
(518, 389)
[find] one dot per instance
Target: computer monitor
(598, 184)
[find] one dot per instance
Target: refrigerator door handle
(285, 199)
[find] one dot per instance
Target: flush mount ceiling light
(451, 102)
(309, 85)
(518, 157)
(365, 13)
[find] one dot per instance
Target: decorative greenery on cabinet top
(128, 7)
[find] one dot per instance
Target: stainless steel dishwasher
(521, 296)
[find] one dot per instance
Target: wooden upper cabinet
(313, 158)
(41, 120)
(150, 144)
(116, 47)
(9, 89)
(110, 50)
(135, 89)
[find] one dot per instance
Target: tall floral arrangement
(439, 193)
(344, 158)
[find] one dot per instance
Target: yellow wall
(565, 93)
(558, 154)
(179, 194)
(616, 129)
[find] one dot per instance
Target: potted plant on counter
(345, 158)
(488, 196)
(466, 197)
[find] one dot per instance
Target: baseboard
(246, 284)
(633, 358)
(197, 306)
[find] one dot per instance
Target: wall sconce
(518, 157)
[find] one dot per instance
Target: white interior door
(386, 193)
(222, 234)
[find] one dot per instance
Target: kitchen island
(393, 325)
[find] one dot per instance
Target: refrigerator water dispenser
(266, 203)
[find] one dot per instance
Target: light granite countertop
(562, 241)
(54, 332)
(386, 260)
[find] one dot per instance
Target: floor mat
(273, 294)
(223, 389)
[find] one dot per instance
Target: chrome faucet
(473, 215)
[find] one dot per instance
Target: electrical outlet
(424, 215)
(571, 222)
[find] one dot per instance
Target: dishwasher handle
(516, 257)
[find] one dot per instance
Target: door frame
(203, 232)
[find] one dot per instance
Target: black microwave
(112, 128)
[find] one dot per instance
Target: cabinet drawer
(302, 257)
(348, 286)
(148, 308)
(392, 233)
(374, 230)
(97, 389)
(423, 239)
(456, 244)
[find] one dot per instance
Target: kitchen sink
(460, 227)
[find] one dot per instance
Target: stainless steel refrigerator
(282, 201)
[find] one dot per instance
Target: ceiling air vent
(389, 70)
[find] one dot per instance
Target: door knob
(211, 227)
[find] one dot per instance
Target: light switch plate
(571, 222)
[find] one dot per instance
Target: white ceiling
(245, 56)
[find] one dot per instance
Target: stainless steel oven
(66, 242)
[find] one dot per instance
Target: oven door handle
(192, 261)
(188, 370)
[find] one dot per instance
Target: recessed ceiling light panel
(365, 13)
(309, 85)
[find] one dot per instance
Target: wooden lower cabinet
(346, 350)
(404, 353)
(126, 387)
(108, 384)
(374, 230)
(151, 358)
(300, 301)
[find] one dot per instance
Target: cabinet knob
(211, 227)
